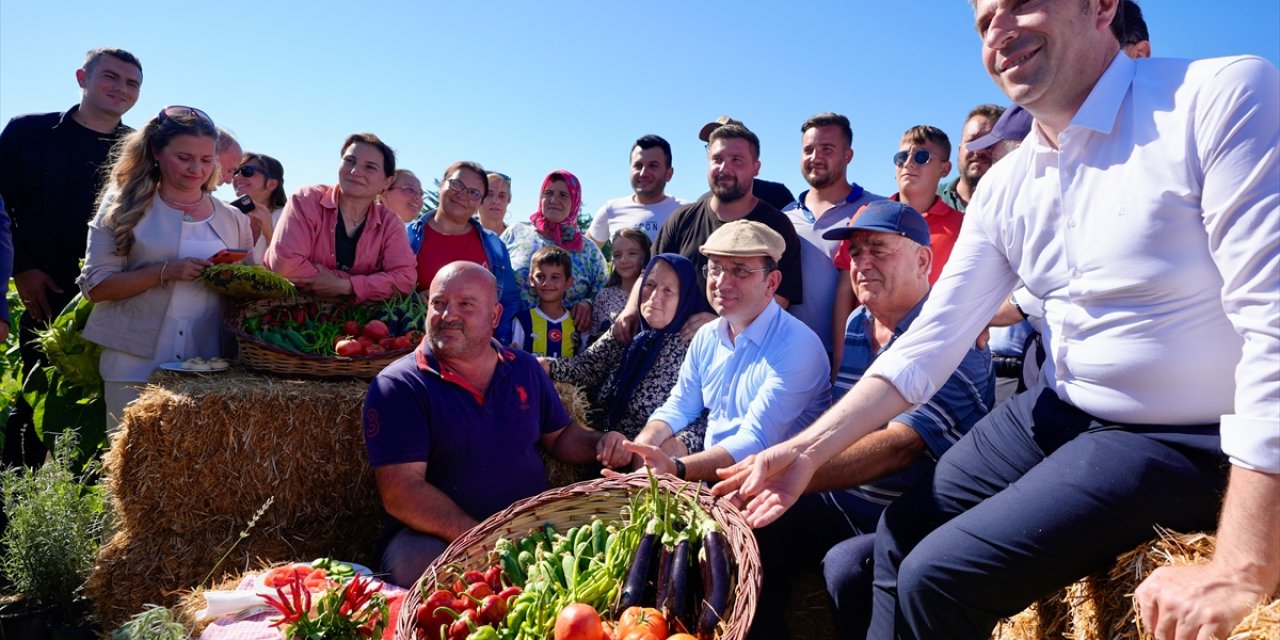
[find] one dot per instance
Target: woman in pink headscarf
(556, 222)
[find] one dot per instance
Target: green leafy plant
(154, 622)
(56, 522)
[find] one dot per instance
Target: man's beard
(728, 192)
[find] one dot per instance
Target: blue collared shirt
(764, 386)
(964, 399)
(816, 254)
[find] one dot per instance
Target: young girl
(630, 253)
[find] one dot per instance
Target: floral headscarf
(564, 233)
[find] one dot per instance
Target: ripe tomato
(351, 328)
(682, 636)
(376, 330)
(401, 342)
(578, 622)
(348, 347)
(641, 623)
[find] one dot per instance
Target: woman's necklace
(186, 208)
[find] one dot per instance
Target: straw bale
(1101, 606)
(200, 452)
(561, 474)
(157, 566)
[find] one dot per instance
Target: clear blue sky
(527, 87)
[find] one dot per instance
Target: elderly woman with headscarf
(629, 382)
(556, 222)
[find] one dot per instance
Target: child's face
(549, 282)
(627, 258)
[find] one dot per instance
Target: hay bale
(1101, 606)
(560, 474)
(198, 452)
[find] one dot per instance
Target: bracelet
(163, 282)
(680, 469)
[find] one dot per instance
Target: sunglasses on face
(250, 171)
(175, 111)
(920, 157)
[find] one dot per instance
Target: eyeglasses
(738, 273)
(920, 157)
(171, 112)
(455, 184)
(250, 171)
(415, 192)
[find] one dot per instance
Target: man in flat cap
(760, 373)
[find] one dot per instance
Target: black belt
(1007, 366)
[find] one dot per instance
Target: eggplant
(639, 576)
(673, 607)
(715, 581)
(664, 574)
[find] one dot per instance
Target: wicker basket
(260, 356)
(576, 505)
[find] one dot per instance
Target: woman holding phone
(260, 178)
(156, 227)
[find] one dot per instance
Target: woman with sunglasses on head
(404, 196)
(493, 211)
(338, 240)
(261, 177)
(156, 228)
(556, 222)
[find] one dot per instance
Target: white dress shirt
(1153, 237)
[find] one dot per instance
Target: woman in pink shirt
(337, 241)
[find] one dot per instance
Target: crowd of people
(951, 400)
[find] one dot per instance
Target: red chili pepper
(471, 577)
(492, 610)
(509, 593)
(493, 577)
(299, 316)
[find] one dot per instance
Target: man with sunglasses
(450, 232)
(51, 167)
(1143, 210)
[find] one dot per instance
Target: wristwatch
(680, 470)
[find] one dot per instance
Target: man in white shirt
(1142, 210)
(649, 206)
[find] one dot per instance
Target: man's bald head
(467, 274)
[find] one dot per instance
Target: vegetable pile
(341, 329)
(663, 574)
(246, 281)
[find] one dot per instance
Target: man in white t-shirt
(649, 206)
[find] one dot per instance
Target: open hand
(765, 485)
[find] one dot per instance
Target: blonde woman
(156, 228)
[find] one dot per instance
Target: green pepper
(484, 633)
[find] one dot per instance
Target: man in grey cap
(760, 373)
(890, 260)
(776, 194)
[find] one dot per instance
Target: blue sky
(526, 87)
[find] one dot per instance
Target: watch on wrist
(680, 469)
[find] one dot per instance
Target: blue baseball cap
(885, 216)
(1014, 124)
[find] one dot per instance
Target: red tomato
(387, 343)
(401, 342)
(373, 349)
(348, 347)
(578, 622)
(375, 330)
(351, 328)
(365, 341)
(641, 623)
(682, 636)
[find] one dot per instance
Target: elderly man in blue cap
(890, 260)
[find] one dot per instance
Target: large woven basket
(575, 505)
(260, 356)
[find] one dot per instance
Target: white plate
(177, 367)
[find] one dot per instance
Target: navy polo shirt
(480, 450)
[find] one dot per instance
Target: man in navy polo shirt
(453, 429)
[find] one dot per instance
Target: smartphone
(244, 203)
(228, 256)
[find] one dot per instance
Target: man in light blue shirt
(761, 374)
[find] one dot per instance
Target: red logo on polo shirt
(524, 397)
(372, 425)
